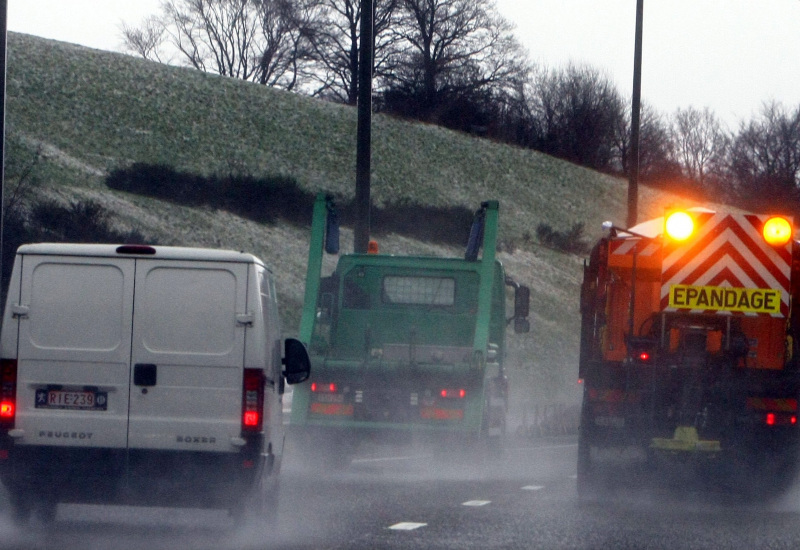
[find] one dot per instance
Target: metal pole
(3, 57)
(364, 132)
(633, 180)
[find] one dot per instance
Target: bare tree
(146, 40)
(655, 147)
(336, 44)
(765, 157)
(215, 35)
(579, 115)
(700, 145)
(264, 41)
(450, 50)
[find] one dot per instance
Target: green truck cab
(405, 344)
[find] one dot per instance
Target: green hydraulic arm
(314, 270)
(489, 210)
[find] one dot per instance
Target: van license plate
(75, 400)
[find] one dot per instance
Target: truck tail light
(253, 400)
(642, 349)
(321, 387)
(8, 392)
(780, 419)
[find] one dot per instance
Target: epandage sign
(746, 300)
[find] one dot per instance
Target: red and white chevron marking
(727, 250)
(627, 246)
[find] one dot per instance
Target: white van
(142, 375)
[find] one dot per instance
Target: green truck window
(425, 291)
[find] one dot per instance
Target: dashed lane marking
(533, 488)
(476, 503)
(553, 447)
(407, 526)
(387, 459)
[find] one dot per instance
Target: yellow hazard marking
(755, 300)
(686, 439)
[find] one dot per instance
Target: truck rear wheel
(587, 483)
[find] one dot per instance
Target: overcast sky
(728, 55)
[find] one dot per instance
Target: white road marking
(541, 447)
(407, 526)
(387, 459)
(476, 503)
(533, 488)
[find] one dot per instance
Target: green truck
(405, 345)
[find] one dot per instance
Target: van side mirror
(296, 361)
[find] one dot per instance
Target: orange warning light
(679, 225)
(777, 231)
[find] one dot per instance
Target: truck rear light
(323, 388)
(252, 400)
(453, 393)
(642, 349)
(780, 419)
(8, 391)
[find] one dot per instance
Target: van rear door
(187, 355)
(74, 350)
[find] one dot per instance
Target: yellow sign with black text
(749, 300)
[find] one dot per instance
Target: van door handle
(144, 374)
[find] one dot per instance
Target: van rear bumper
(136, 477)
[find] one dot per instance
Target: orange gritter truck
(689, 358)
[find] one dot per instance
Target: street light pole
(3, 57)
(633, 177)
(364, 131)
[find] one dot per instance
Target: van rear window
(187, 310)
(76, 306)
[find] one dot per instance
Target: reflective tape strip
(770, 404)
(628, 245)
(435, 413)
(334, 409)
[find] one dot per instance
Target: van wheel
(21, 509)
(261, 507)
(47, 511)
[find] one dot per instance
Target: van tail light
(253, 401)
(8, 392)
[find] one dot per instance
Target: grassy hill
(89, 112)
